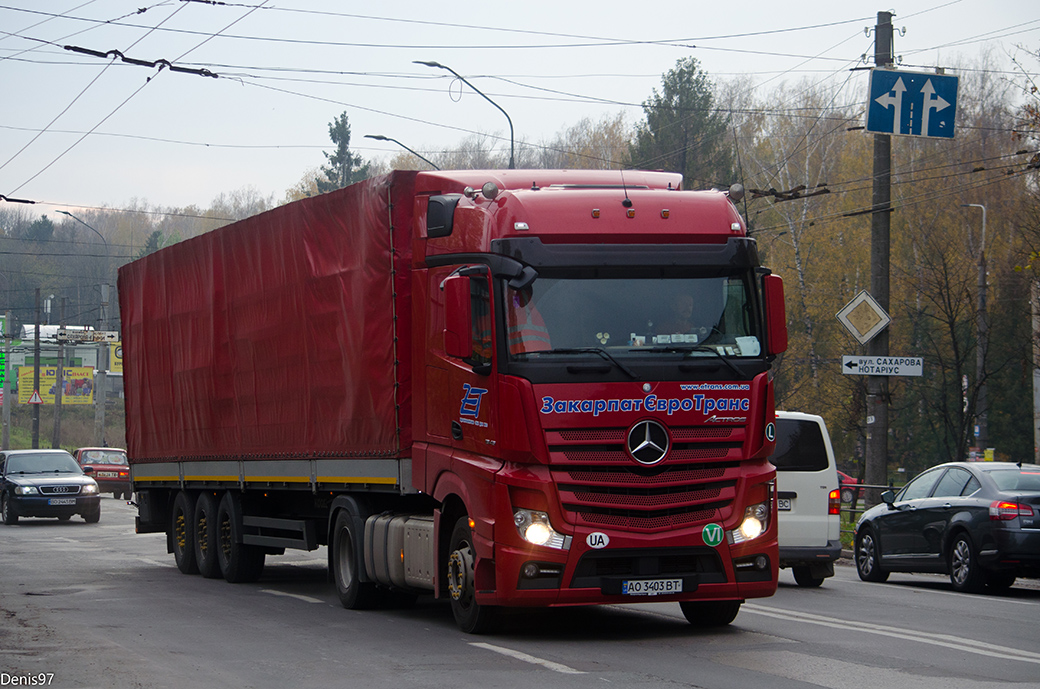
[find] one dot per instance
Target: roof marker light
(665, 213)
(595, 212)
(631, 212)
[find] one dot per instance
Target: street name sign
(911, 103)
(87, 336)
(882, 365)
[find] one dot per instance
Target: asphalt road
(99, 606)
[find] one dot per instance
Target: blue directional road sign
(911, 103)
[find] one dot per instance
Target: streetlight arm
(484, 96)
(380, 137)
(979, 205)
(83, 223)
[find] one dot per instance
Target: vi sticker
(712, 534)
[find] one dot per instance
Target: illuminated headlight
(754, 524)
(534, 527)
(89, 489)
(26, 490)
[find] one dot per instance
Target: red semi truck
(504, 388)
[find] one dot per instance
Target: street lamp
(983, 333)
(89, 226)
(380, 137)
(463, 80)
(104, 287)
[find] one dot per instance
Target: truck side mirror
(458, 321)
(776, 314)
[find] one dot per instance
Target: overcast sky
(80, 131)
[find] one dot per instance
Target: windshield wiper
(593, 350)
(688, 349)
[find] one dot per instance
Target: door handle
(456, 430)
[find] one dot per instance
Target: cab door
(461, 396)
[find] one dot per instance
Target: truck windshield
(633, 317)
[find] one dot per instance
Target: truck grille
(600, 485)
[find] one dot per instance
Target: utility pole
(59, 384)
(5, 442)
(880, 225)
(982, 329)
(1035, 294)
(36, 376)
(101, 377)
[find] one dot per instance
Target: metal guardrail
(853, 508)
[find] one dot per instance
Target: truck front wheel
(353, 593)
(181, 533)
(239, 562)
(470, 616)
(714, 613)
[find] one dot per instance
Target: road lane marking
(534, 660)
(956, 643)
(297, 596)
(910, 587)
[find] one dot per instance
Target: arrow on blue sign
(912, 103)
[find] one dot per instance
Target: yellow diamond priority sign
(863, 317)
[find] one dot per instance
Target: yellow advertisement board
(115, 357)
(78, 389)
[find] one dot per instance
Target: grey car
(46, 483)
(979, 522)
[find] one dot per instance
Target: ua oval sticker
(712, 534)
(597, 540)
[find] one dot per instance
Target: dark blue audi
(46, 483)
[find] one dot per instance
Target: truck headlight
(534, 527)
(26, 490)
(754, 524)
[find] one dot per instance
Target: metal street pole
(6, 439)
(380, 137)
(463, 80)
(59, 384)
(36, 376)
(101, 377)
(981, 405)
(880, 227)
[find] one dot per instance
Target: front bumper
(541, 577)
(49, 506)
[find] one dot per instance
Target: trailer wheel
(239, 563)
(181, 533)
(470, 616)
(205, 528)
(715, 613)
(353, 593)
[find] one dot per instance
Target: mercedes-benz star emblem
(648, 442)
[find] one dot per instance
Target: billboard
(78, 384)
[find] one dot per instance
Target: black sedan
(46, 483)
(979, 522)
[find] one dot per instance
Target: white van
(808, 497)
